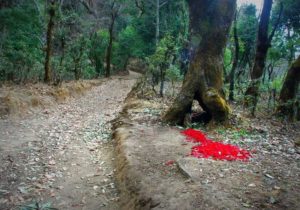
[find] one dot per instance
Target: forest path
(64, 156)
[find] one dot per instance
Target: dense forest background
(63, 40)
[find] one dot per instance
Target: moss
(288, 105)
(217, 106)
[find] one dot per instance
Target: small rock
(269, 176)
(277, 188)
(272, 200)
(252, 185)
(52, 162)
(60, 187)
(246, 205)
(291, 151)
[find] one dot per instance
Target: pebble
(252, 185)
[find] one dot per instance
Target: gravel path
(63, 156)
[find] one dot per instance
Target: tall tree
(47, 76)
(289, 91)
(262, 46)
(114, 12)
(289, 25)
(210, 22)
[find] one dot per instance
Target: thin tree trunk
(203, 80)
(114, 14)
(157, 22)
(291, 48)
(235, 60)
(47, 77)
(63, 43)
(109, 52)
(162, 82)
(287, 106)
(263, 44)
(98, 67)
(77, 62)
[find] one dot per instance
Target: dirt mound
(155, 171)
(17, 100)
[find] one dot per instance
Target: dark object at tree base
(197, 117)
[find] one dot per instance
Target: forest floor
(156, 171)
(62, 156)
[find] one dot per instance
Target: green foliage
(227, 59)
(165, 49)
(173, 21)
(290, 13)
(247, 28)
(173, 73)
(277, 83)
(129, 44)
(287, 37)
(160, 63)
(20, 44)
(97, 49)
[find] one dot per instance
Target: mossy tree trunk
(47, 76)
(210, 22)
(235, 60)
(288, 104)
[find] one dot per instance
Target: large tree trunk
(287, 105)
(262, 46)
(47, 77)
(210, 22)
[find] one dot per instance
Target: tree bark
(287, 105)
(47, 77)
(262, 46)
(114, 14)
(235, 60)
(210, 22)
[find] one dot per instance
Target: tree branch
(163, 3)
(140, 6)
(276, 24)
(88, 8)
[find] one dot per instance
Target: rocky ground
(62, 157)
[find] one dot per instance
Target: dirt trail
(64, 155)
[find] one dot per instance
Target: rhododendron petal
(211, 149)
